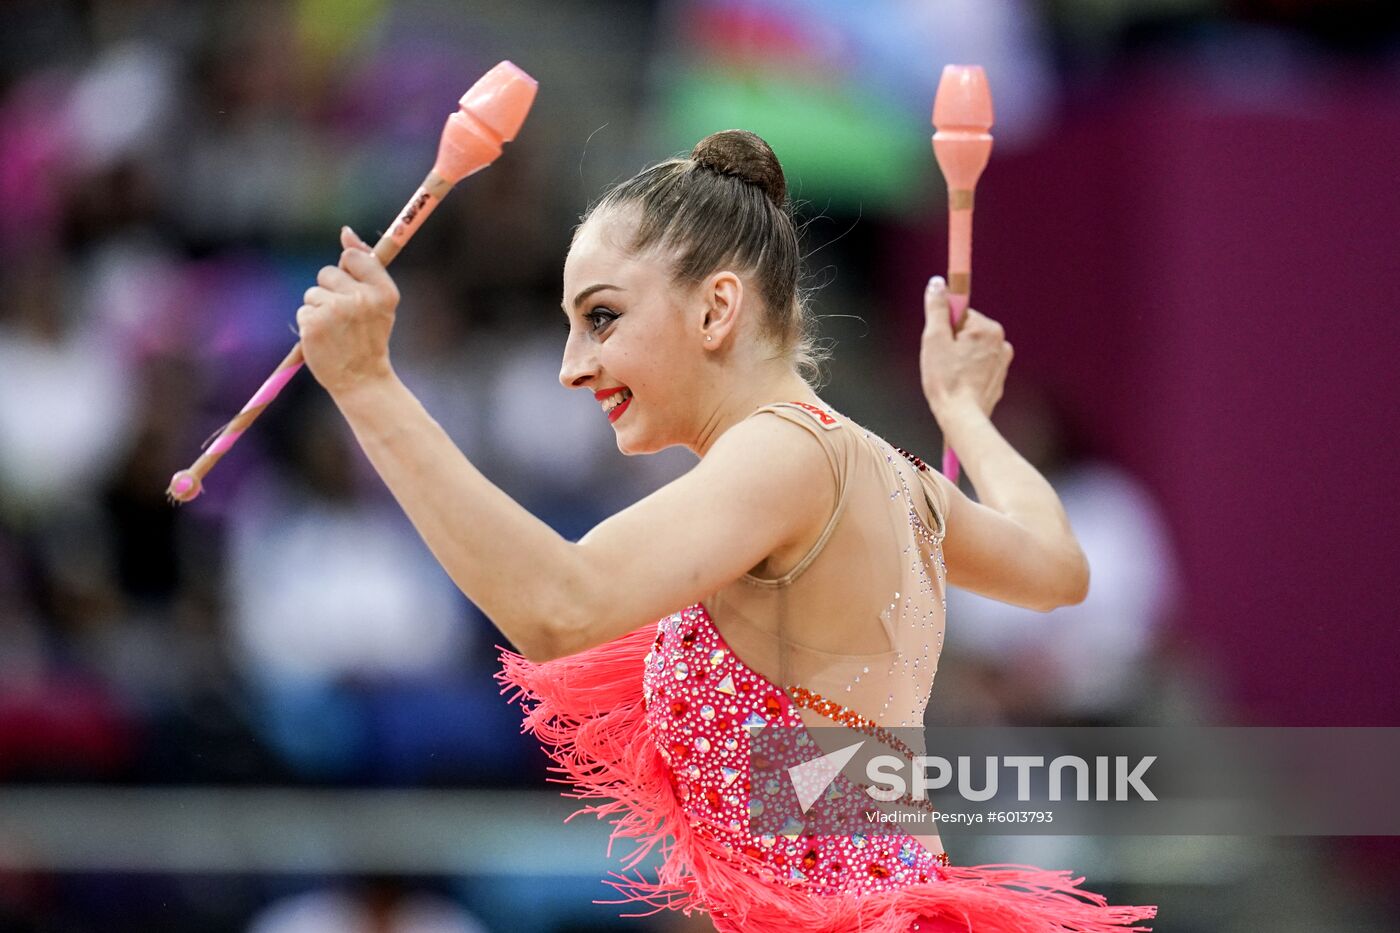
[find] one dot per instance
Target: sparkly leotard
(661, 726)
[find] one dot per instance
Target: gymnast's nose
(580, 364)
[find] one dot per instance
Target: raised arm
(1016, 544)
(751, 495)
(748, 497)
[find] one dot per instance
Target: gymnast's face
(634, 338)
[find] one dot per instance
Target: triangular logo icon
(811, 778)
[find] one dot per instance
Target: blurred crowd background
(1187, 228)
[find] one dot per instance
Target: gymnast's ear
(722, 294)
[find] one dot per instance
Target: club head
(962, 114)
(964, 100)
(488, 115)
(501, 99)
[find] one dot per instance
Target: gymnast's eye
(599, 318)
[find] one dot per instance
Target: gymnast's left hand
(346, 318)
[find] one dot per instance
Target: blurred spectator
(65, 402)
(445, 359)
(333, 598)
(327, 582)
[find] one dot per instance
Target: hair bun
(745, 156)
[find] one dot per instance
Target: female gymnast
(798, 570)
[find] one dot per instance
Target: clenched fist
(346, 318)
(966, 366)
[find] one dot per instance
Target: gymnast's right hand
(963, 368)
(347, 317)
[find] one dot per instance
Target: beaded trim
(848, 717)
(917, 461)
(807, 699)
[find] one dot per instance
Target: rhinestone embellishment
(711, 722)
(917, 461)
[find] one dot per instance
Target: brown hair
(727, 205)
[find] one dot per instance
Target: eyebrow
(579, 298)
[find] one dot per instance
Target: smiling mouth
(615, 404)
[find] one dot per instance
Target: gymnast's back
(853, 631)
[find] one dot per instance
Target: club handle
(189, 483)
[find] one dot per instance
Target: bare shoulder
(776, 472)
(772, 450)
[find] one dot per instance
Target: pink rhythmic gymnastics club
(962, 115)
(488, 115)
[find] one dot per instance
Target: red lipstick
(604, 394)
(617, 412)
